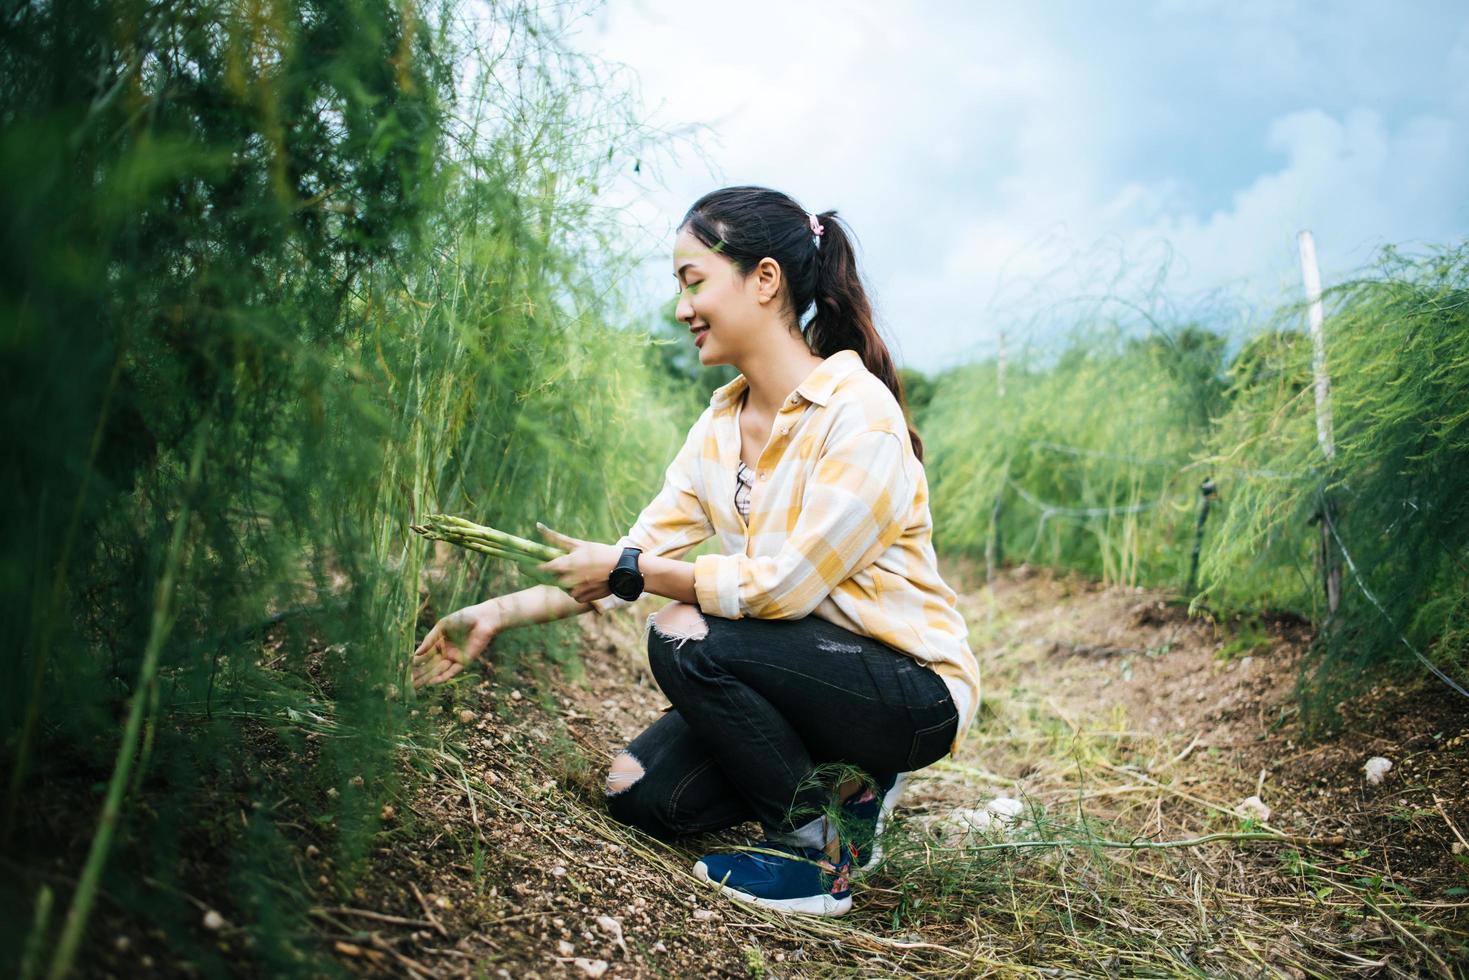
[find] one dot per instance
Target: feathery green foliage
(1093, 461)
(1084, 460)
(1398, 358)
(278, 279)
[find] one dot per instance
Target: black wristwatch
(626, 581)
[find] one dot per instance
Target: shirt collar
(817, 388)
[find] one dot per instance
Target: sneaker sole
(827, 905)
(884, 810)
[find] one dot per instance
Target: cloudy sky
(997, 160)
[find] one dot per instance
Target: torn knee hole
(679, 621)
(625, 771)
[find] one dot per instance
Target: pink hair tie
(816, 226)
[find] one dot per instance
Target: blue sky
(998, 159)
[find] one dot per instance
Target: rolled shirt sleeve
(850, 512)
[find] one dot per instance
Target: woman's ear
(767, 280)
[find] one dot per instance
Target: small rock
(443, 903)
(558, 872)
(1459, 848)
(312, 852)
(703, 915)
(213, 921)
(1375, 768)
(592, 968)
(613, 928)
(659, 947)
(388, 812)
(1004, 806)
(565, 948)
(997, 814)
(965, 819)
(356, 782)
(1254, 808)
(466, 716)
(516, 696)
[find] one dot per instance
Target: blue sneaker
(783, 877)
(869, 808)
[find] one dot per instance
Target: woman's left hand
(583, 571)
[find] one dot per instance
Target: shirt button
(794, 398)
(785, 430)
(763, 474)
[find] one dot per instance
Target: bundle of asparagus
(485, 540)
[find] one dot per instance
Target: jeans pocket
(933, 743)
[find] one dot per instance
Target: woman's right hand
(455, 642)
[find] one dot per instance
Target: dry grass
(1130, 858)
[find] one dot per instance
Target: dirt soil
(566, 893)
(1104, 707)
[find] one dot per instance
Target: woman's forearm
(537, 604)
(671, 577)
(543, 603)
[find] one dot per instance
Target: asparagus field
(303, 301)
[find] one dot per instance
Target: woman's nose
(684, 311)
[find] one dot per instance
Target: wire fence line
(1372, 598)
(1082, 452)
(1056, 510)
(1049, 510)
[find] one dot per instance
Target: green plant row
(1094, 459)
(279, 279)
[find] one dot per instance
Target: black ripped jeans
(758, 704)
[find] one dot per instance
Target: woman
(823, 634)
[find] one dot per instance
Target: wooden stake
(1315, 314)
(1311, 274)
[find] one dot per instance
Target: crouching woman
(823, 633)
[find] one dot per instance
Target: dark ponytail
(747, 224)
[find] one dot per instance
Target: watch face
(625, 583)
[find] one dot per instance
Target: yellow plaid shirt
(839, 525)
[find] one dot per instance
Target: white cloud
(993, 159)
(1355, 182)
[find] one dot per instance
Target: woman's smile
(699, 333)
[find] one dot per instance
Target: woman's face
(726, 313)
